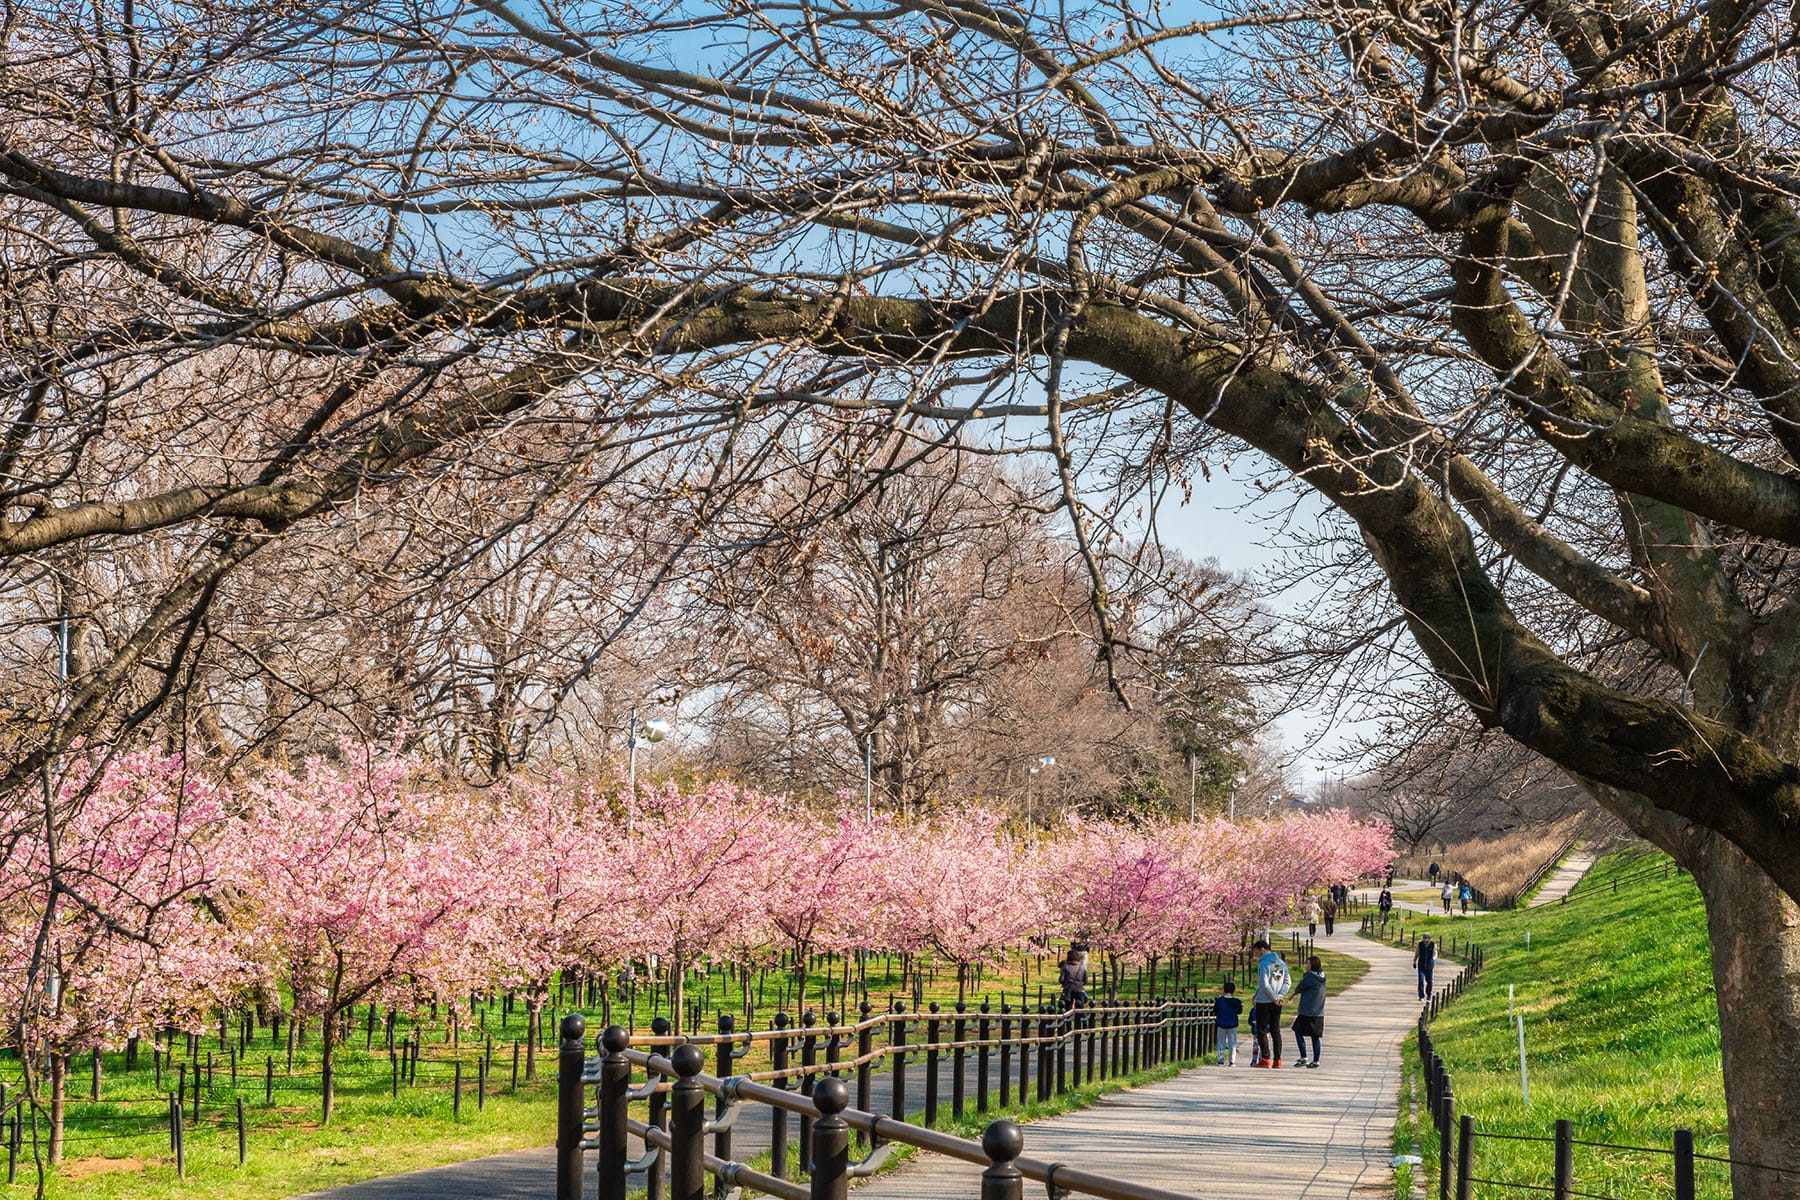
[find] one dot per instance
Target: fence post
(687, 1126)
(723, 1058)
(831, 1141)
(982, 1058)
(865, 1049)
(1465, 1156)
(615, 1082)
(1684, 1164)
(570, 1105)
(1563, 1179)
(243, 1141)
(658, 1119)
(778, 1123)
(809, 1057)
(456, 1093)
(897, 1039)
(933, 1026)
(1002, 1142)
(1045, 1069)
(959, 1029)
(1446, 1123)
(1005, 1053)
(1072, 1034)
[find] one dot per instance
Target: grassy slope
(1621, 1032)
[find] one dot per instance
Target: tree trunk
(59, 1087)
(327, 1058)
(1755, 932)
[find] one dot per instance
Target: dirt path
(1563, 880)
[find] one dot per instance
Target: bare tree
(1514, 290)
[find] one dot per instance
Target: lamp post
(649, 733)
(1046, 761)
(1237, 781)
(1274, 799)
(1193, 783)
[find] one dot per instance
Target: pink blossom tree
(348, 885)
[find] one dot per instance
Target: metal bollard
(724, 1057)
(959, 1031)
(865, 1052)
(1002, 1142)
(897, 1039)
(831, 1141)
(687, 1126)
(778, 1123)
(615, 1085)
(809, 1057)
(933, 1027)
(982, 1030)
(1446, 1123)
(1044, 1050)
(570, 1106)
(1005, 1055)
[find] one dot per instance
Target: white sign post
(1524, 1081)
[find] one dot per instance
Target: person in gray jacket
(1310, 1021)
(1272, 986)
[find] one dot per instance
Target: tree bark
(1755, 933)
(59, 1087)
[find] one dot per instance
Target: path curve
(1237, 1133)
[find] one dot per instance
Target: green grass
(1621, 1033)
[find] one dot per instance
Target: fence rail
(1055, 1050)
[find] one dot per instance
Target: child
(1226, 1010)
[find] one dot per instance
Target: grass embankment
(120, 1146)
(1499, 865)
(1621, 1033)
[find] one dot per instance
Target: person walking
(1272, 986)
(1330, 911)
(1072, 977)
(1386, 904)
(1424, 959)
(1433, 872)
(1312, 917)
(1448, 894)
(1227, 1008)
(1463, 894)
(1309, 1022)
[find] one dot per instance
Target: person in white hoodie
(1272, 985)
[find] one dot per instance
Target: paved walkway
(1224, 1133)
(1563, 880)
(1231, 1133)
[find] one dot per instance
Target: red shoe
(1278, 1062)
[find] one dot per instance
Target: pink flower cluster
(359, 881)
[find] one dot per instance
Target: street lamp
(648, 733)
(1274, 799)
(1046, 761)
(1237, 782)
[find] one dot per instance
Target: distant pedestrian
(1448, 894)
(1072, 977)
(1425, 958)
(1312, 917)
(1463, 894)
(1385, 904)
(1272, 986)
(1434, 872)
(1227, 1008)
(1389, 882)
(1330, 911)
(1310, 1021)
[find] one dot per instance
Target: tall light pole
(1193, 783)
(652, 731)
(1237, 781)
(1046, 761)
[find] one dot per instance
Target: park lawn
(1620, 1027)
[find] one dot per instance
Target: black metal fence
(809, 1084)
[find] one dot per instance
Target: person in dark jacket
(1072, 976)
(1227, 1010)
(1425, 958)
(1310, 1020)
